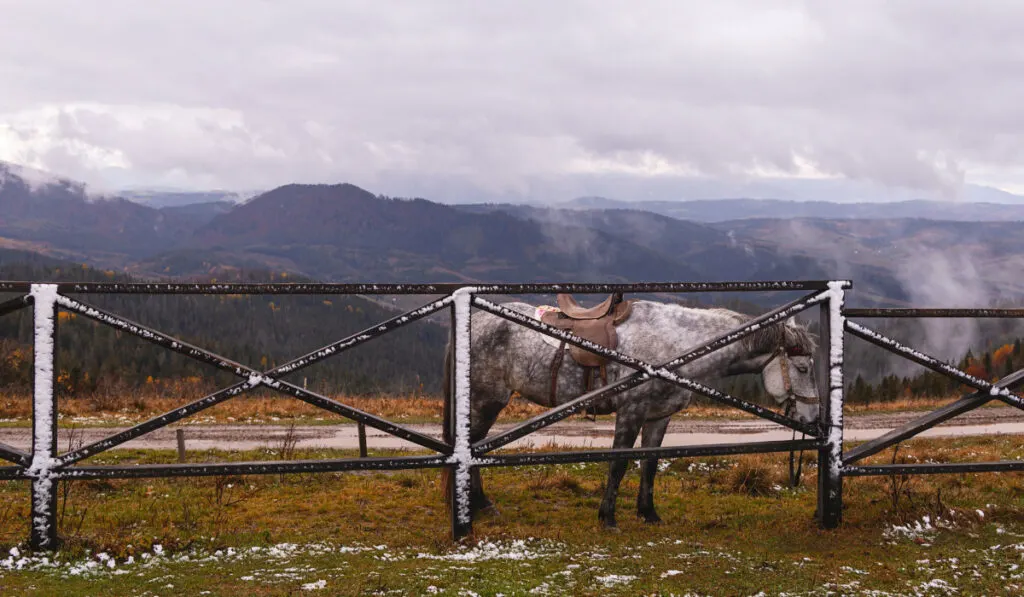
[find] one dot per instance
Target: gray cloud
(500, 95)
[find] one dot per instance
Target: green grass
(387, 533)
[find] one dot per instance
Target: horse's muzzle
(802, 408)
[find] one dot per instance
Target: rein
(794, 473)
(787, 383)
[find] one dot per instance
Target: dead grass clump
(409, 481)
(558, 481)
(753, 477)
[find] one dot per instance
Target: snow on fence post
(830, 389)
(43, 534)
(462, 457)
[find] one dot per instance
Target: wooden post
(362, 440)
(43, 533)
(180, 435)
(829, 375)
(461, 467)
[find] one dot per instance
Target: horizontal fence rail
(425, 289)
(44, 466)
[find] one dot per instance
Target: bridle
(792, 398)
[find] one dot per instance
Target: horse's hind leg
(654, 434)
(486, 407)
(627, 427)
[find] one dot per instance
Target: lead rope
(794, 473)
(795, 468)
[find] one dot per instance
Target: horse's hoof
(608, 522)
(649, 518)
(611, 528)
(490, 510)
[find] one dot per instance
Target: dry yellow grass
(908, 404)
(136, 404)
(731, 527)
(142, 405)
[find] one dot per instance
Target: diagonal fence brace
(15, 304)
(153, 424)
(940, 415)
(995, 390)
(12, 454)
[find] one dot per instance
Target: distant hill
(342, 232)
(58, 216)
(706, 250)
(937, 263)
(719, 210)
(159, 198)
(199, 213)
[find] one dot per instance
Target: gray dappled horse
(507, 357)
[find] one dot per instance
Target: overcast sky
(247, 94)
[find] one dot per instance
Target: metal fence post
(461, 459)
(43, 534)
(830, 389)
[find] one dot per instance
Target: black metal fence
(984, 393)
(45, 466)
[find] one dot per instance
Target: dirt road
(575, 432)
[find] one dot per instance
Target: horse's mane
(789, 335)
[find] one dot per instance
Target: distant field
(731, 528)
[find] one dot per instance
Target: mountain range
(345, 233)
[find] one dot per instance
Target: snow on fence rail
(984, 393)
(45, 467)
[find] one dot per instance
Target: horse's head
(783, 355)
(789, 379)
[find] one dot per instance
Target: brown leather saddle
(596, 324)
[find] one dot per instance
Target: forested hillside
(990, 365)
(263, 331)
(259, 331)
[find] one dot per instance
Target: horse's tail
(446, 417)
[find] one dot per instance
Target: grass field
(731, 528)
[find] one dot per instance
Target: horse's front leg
(483, 415)
(627, 427)
(654, 434)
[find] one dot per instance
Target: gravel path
(575, 432)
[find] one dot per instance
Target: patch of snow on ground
(612, 580)
(315, 586)
(104, 564)
(915, 530)
(519, 549)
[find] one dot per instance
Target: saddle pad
(537, 314)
